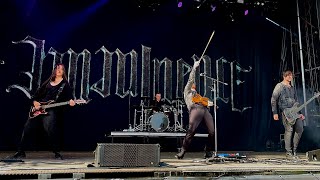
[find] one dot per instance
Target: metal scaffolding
(304, 50)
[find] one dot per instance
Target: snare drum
(159, 122)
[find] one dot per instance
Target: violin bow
(207, 45)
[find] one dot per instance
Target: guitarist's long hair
(53, 74)
(41, 91)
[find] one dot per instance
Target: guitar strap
(60, 90)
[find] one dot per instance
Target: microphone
(204, 74)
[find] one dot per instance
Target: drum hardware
(178, 125)
(167, 109)
(143, 121)
(158, 121)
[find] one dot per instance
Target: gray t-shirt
(283, 96)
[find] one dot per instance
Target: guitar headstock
(82, 101)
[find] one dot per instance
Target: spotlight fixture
(180, 3)
(213, 8)
(201, 3)
(231, 17)
(260, 3)
(240, 1)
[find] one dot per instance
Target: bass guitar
(292, 114)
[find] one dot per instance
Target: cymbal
(179, 98)
(179, 101)
(149, 107)
(147, 97)
(145, 107)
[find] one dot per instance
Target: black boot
(57, 155)
(208, 154)
(18, 155)
(180, 155)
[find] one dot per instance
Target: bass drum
(159, 122)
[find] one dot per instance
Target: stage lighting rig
(150, 4)
(233, 6)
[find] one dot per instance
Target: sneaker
(295, 156)
(180, 155)
(18, 155)
(208, 154)
(289, 155)
(58, 156)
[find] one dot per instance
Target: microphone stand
(214, 89)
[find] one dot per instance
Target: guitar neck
(306, 103)
(55, 105)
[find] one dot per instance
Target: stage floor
(75, 165)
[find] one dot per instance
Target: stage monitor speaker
(127, 155)
(313, 155)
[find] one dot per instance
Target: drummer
(157, 104)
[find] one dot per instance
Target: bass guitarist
(56, 88)
(198, 111)
(284, 96)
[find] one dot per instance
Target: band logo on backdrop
(156, 75)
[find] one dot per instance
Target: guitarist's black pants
(196, 115)
(49, 122)
(298, 130)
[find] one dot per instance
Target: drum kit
(147, 119)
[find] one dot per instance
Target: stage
(81, 165)
(147, 135)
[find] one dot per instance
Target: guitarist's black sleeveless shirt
(283, 96)
(48, 92)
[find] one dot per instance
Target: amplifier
(127, 155)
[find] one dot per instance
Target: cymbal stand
(135, 118)
(142, 125)
(178, 126)
(135, 126)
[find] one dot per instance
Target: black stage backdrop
(170, 32)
